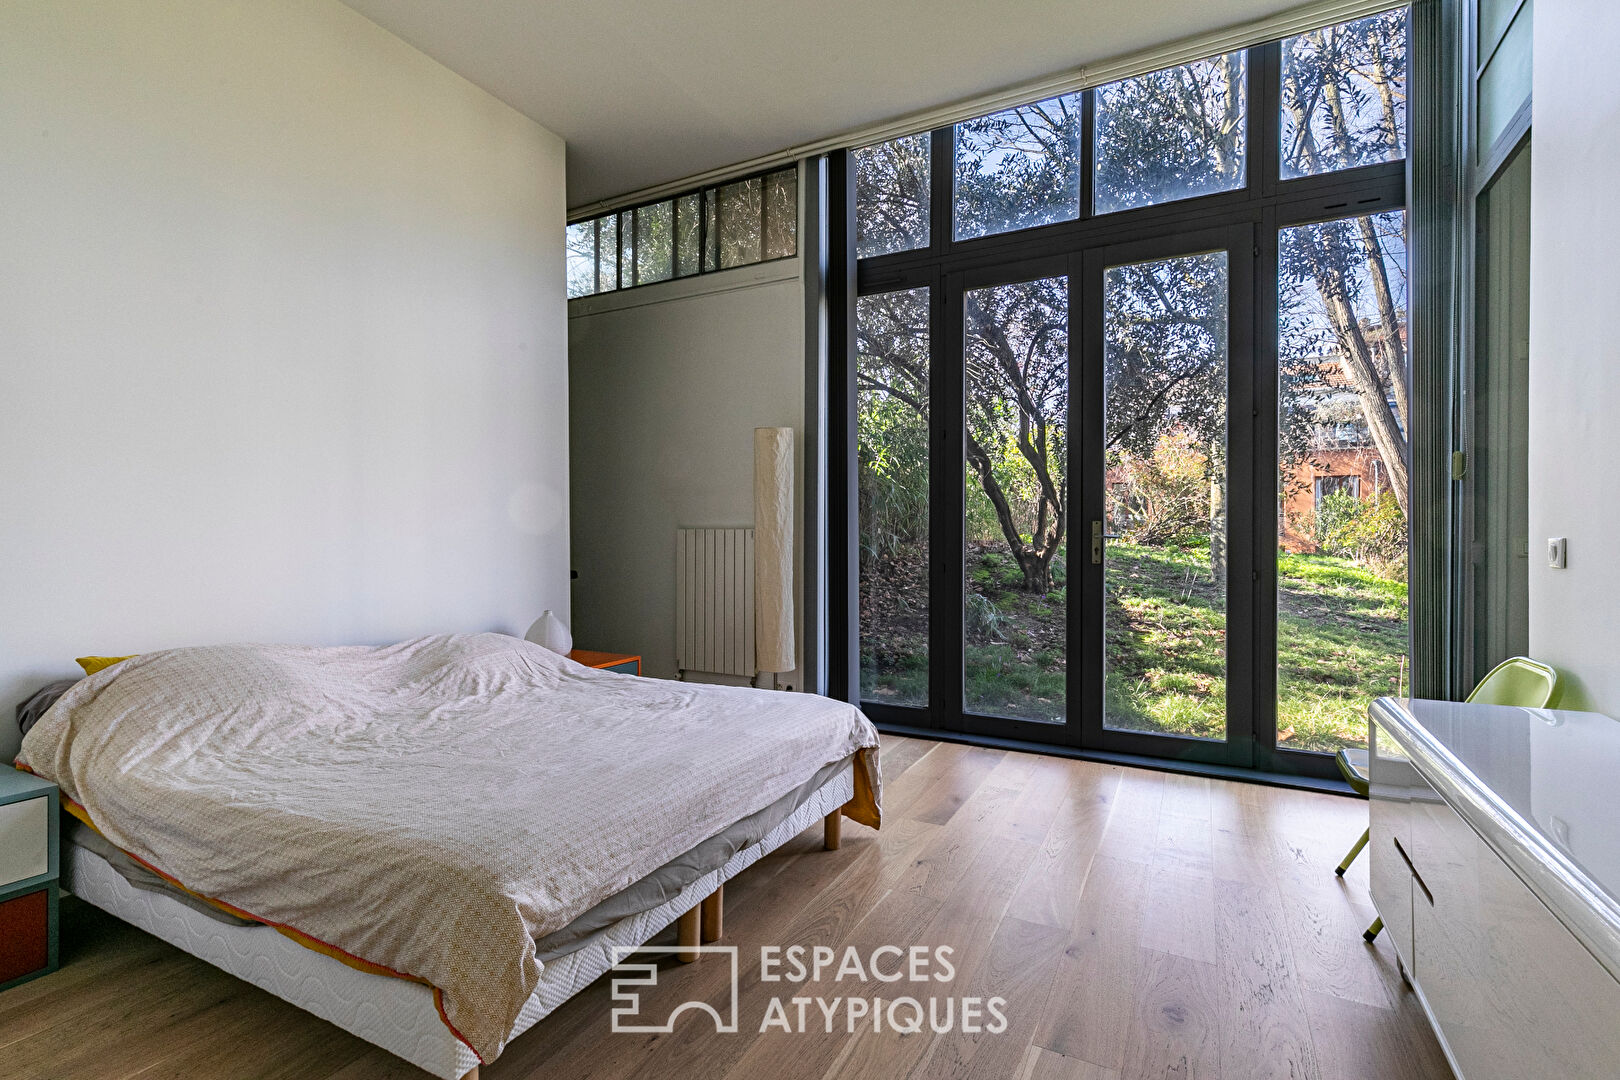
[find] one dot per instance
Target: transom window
(754, 219)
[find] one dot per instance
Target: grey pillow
(40, 702)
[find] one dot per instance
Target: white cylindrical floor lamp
(773, 550)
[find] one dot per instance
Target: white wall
(668, 383)
(282, 341)
(1575, 349)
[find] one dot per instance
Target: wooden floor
(1139, 924)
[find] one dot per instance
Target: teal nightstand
(29, 840)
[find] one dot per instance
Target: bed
(432, 844)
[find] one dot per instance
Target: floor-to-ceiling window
(1131, 428)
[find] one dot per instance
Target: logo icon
(645, 973)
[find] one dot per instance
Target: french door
(1074, 404)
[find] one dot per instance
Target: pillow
(93, 664)
(40, 702)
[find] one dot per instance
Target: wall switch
(1558, 552)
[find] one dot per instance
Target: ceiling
(647, 92)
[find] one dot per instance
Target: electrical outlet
(1558, 552)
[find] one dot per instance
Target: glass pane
(781, 213)
(1344, 95)
(1018, 168)
(739, 223)
(891, 378)
(607, 270)
(655, 240)
(1493, 20)
(891, 196)
(1341, 525)
(1505, 84)
(687, 209)
(711, 243)
(1165, 462)
(581, 259)
(1171, 134)
(1015, 645)
(627, 247)
(1499, 443)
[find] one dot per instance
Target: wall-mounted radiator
(714, 601)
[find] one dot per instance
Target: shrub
(1370, 531)
(1162, 498)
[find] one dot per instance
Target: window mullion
(941, 172)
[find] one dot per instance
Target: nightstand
(29, 809)
(607, 661)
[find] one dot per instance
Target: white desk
(1496, 868)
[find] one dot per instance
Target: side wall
(667, 384)
(1575, 350)
(282, 344)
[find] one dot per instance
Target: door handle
(1097, 538)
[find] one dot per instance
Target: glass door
(1167, 565)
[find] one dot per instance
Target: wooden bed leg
(686, 937)
(714, 913)
(834, 829)
(472, 1074)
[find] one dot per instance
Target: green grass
(1341, 642)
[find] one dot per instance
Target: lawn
(1341, 642)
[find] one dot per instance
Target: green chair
(1518, 680)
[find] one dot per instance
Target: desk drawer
(1514, 994)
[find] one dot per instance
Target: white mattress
(392, 1013)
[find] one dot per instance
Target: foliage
(1171, 134)
(1018, 168)
(1162, 497)
(1368, 531)
(1343, 95)
(892, 421)
(891, 196)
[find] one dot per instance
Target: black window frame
(1265, 204)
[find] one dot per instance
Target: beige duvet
(430, 807)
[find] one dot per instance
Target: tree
(1017, 391)
(1343, 95)
(1166, 135)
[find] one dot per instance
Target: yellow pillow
(93, 664)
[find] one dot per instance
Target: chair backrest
(1519, 681)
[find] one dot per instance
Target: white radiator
(714, 601)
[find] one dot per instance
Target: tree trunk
(1360, 368)
(1034, 563)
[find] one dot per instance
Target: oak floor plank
(1356, 1041)
(1264, 1031)
(945, 796)
(1324, 923)
(1178, 913)
(1090, 1011)
(1042, 1064)
(1176, 1026)
(1053, 884)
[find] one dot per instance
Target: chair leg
(1372, 931)
(1350, 858)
